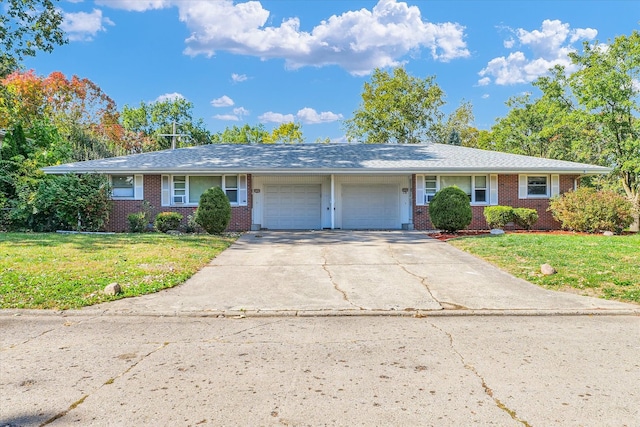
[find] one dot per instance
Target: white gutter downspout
(332, 203)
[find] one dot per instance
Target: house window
(187, 189)
(430, 187)
(231, 188)
(122, 186)
(537, 186)
(200, 184)
(475, 186)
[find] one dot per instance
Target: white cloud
(485, 96)
(549, 46)
(306, 115)
(357, 41)
(223, 101)
(271, 117)
(310, 116)
(135, 5)
(228, 117)
(169, 97)
(238, 78)
(83, 26)
(240, 111)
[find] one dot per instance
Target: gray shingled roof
(326, 158)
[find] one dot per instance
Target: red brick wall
(507, 196)
(240, 215)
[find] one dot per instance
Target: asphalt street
(106, 370)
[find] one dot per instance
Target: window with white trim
(126, 187)
(122, 186)
(475, 186)
(537, 186)
(187, 189)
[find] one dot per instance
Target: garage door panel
(292, 206)
(374, 206)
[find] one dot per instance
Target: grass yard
(63, 271)
(600, 266)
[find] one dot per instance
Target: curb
(232, 314)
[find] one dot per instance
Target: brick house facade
(331, 186)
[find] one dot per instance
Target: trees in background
(590, 115)
(152, 122)
(397, 108)
(27, 26)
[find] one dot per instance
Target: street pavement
(314, 371)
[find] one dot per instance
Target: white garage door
(292, 206)
(373, 206)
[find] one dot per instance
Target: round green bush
(214, 212)
(450, 209)
(525, 217)
(166, 221)
(137, 222)
(498, 216)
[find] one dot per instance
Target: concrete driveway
(353, 272)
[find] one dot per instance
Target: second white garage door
(292, 206)
(371, 206)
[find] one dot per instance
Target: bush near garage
(450, 209)
(214, 211)
(589, 210)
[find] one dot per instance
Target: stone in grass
(608, 233)
(547, 269)
(497, 231)
(112, 289)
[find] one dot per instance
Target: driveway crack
(325, 267)
(487, 390)
(423, 280)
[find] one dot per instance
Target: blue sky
(306, 61)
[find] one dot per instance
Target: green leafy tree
(397, 108)
(214, 211)
(287, 133)
(27, 26)
(458, 129)
(155, 120)
(245, 134)
(606, 85)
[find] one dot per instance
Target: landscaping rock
(497, 231)
(547, 269)
(174, 232)
(112, 289)
(608, 233)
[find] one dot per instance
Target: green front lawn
(62, 271)
(600, 266)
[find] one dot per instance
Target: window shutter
(138, 187)
(166, 191)
(555, 185)
(242, 190)
(522, 186)
(419, 190)
(493, 189)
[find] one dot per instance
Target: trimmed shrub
(166, 221)
(525, 217)
(498, 216)
(588, 210)
(137, 222)
(450, 209)
(214, 211)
